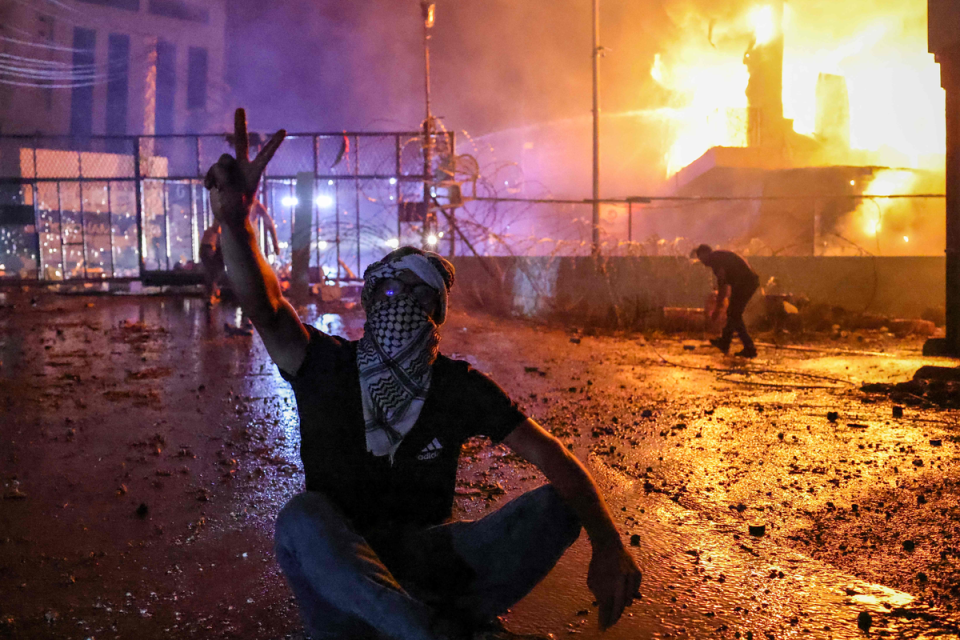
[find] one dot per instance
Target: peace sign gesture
(233, 181)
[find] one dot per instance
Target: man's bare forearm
(578, 489)
(568, 476)
(252, 279)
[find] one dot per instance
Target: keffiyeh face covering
(399, 345)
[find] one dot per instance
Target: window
(118, 71)
(129, 5)
(166, 86)
(197, 78)
(180, 10)
(81, 99)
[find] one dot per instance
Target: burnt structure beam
(944, 43)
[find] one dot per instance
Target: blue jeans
(400, 584)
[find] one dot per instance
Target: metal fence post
(137, 180)
(356, 192)
(397, 188)
(300, 236)
(452, 144)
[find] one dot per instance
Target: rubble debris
(931, 372)
(833, 416)
(897, 411)
(757, 530)
(864, 621)
(918, 392)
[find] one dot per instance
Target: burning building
(778, 125)
(777, 191)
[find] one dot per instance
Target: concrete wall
(625, 290)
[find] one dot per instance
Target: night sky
(325, 65)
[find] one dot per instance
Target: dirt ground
(145, 454)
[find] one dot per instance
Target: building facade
(111, 67)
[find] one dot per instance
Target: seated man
(367, 548)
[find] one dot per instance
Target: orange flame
(896, 103)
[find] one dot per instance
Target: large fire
(896, 105)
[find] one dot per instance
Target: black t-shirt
(418, 488)
(730, 269)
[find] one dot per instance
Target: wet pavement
(146, 453)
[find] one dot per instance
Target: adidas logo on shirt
(430, 451)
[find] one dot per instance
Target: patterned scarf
(399, 345)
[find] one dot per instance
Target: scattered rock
(864, 621)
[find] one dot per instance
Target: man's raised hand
(233, 181)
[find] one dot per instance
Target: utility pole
(427, 9)
(595, 227)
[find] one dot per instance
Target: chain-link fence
(135, 207)
(814, 225)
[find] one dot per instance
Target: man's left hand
(614, 579)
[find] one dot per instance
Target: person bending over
(368, 548)
(734, 276)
